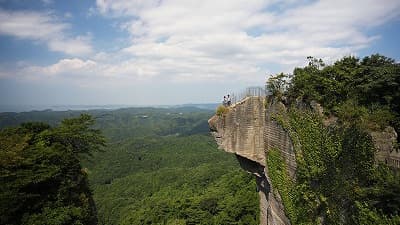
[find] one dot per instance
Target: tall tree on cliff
(42, 181)
(277, 84)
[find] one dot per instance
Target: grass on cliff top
(222, 110)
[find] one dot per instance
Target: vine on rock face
(299, 199)
(282, 182)
(336, 175)
(338, 180)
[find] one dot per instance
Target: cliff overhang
(246, 129)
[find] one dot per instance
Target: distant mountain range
(28, 108)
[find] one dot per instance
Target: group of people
(227, 100)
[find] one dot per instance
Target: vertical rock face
(384, 142)
(275, 137)
(241, 129)
(248, 131)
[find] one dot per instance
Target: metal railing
(250, 91)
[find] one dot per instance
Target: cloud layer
(236, 42)
(45, 28)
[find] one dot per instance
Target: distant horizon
(76, 107)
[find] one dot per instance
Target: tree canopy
(41, 176)
(349, 87)
(338, 180)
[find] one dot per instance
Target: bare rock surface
(248, 131)
(384, 142)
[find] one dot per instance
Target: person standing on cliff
(228, 100)
(225, 102)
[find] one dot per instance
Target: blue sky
(159, 52)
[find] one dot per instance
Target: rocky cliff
(248, 131)
(385, 144)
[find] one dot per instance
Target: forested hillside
(160, 166)
(339, 180)
(42, 181)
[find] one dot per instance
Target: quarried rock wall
(241, 129)
(276, 137)
(248, 131)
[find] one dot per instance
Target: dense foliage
(338, 181)
(168, 172)
(281, 181)
(352, 87)
(161, 166)
(41, 179)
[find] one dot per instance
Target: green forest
(126, 166)
(161, 166)
(338, 180)
(41, 176)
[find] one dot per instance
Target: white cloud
(71, 46)
(47, 2)
(66, 66)
(124, 7)
(204, 39)
(45, 28)
(68, 15)
(211, 41)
